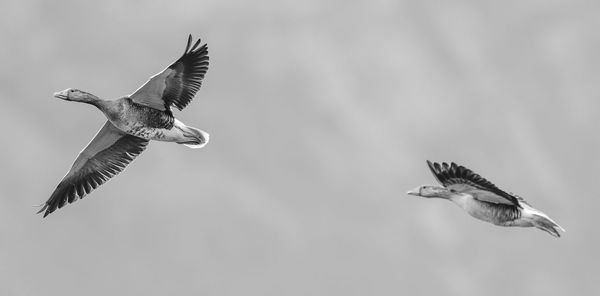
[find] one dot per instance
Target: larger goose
(483, 200)
(132, 122)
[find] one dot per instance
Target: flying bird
(132, 122)
(483, 200)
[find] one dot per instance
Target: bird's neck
(95, 101)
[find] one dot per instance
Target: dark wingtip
(434, 168)
(189, 48)
(44, 206)
(430, 163)
(48, 212)
(189, 42)
(195, 44)
(44, 209)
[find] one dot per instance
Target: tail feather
(546, 224)
(197, 138)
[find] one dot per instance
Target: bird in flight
(132, 121)
(483, 200)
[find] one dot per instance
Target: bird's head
(430, 191)
(71, 94)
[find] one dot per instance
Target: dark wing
(109, 152)
(462, 179)
(177, 84)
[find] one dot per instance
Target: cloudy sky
(321, 116)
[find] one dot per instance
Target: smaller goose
(483, 200)
(133, 121)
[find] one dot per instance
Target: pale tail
(197, 138)
(546, 224)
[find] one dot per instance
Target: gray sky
(321, 116)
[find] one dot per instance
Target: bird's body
(133, 121)
(483, 200)
(497, 214)
(149, 123)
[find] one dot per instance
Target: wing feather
(109, 152)
(177, 84)
(463, 179)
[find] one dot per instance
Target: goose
(482, 199)
(132, 121)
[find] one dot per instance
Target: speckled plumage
(147, 116)
(133, 121)
(140, 121)
(481, 199)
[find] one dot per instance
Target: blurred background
(321, 116)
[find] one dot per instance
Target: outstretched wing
(177, 84)
(109, 152)
(462, 179)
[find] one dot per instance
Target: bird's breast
(142, 121)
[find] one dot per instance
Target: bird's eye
(452, 190)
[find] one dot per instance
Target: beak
(64, 95)
(416, 191)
